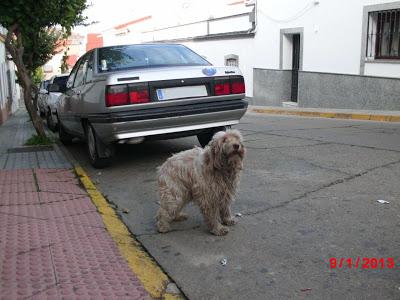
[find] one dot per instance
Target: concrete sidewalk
(53, 242)
(369, 115)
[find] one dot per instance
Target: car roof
(144, 44)
(61, 75)
(58, 76)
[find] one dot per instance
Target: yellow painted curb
(332, 115)
(154, 280)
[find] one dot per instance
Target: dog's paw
(220, 230)
(230, 222)
(181, 217)
(163, 228)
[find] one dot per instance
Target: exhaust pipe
(135, 140)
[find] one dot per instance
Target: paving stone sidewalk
(53, 243)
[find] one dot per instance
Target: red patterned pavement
(53, 244)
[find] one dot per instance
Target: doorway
(291, 61)
(295, 67)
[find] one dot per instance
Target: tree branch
(20, 48)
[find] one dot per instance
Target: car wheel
(93, 151)
(50, 121)
(64, 136)
(205, 137)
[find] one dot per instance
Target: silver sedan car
(49, 101)
(132, 93)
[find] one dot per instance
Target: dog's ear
(216, 149)
(218, 135)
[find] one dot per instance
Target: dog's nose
(236, 146)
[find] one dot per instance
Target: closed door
(295, 67)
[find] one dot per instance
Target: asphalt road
(308, 196)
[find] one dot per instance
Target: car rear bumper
(111, 127)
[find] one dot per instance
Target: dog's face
(232, 144)
(227, 147)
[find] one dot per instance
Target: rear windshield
(147, 56)
(61, 81)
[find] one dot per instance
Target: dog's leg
(181, 217)
(171, 205)
(181, 202)
(211, 217)
(167, 211)
(163, 220)
(226, 215)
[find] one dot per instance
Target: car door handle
(78, 92)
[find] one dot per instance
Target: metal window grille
(383, 40)
(232, 60)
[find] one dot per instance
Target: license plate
(182, 92)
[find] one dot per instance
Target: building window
(232, 60)
(383, 41)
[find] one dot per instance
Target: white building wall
(331, 44)
(2, 52)
(332, 38)
(215, 53)
(332, 33)
(9, 89)
(53, 66)
(3, 72)
(382, 69)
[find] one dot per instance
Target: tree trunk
(16, 52)
(35, 98)
(36, 120)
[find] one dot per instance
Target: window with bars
(232, 60)
(383, 34)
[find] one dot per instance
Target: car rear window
(61, 81)
(117, 58)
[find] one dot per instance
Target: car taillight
(124, 94)
(222, 88)
(229, 85)
(237, 85)
(139, 93)
(117, 95)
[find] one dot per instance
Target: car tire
(93, 151)
(50, 121)
(64, 136)
(205, 137)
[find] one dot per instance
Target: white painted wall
(332, 38)
(382, 69)
(8, 86)
(215, 53)
(2, 52)
(53, 66)
(332, 34)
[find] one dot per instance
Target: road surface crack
(328, 185)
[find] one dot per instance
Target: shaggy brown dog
(208, 177)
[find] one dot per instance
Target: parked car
(41, 95)
(56, 86)
(131, 93)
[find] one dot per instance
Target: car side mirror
(43, 91)
(54, 88)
